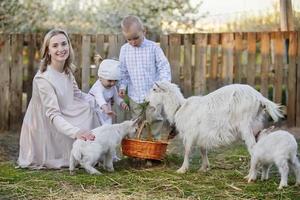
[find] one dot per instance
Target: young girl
(104, 89)
(57, 113)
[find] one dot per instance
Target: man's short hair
(131, 20)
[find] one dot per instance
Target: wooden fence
(200, 63)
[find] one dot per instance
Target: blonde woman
(57, 113)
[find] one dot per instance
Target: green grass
(223, 181)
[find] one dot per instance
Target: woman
(57, 113)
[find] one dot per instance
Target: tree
(25, 16)
(92, 16)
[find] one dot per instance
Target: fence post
(238, 49)
(278, 66)
(187, 67)
(174, 56)
(4, 81)
(265, 62)
(298, 82)
(251, 67)
(200, 64)
(16, 80)
(76, 41)
(113, 46)
(86, 43)
(227, 60)
(214, 58)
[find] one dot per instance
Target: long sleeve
(50, 103)
(124, 72)
(162, 64)
(97, 92)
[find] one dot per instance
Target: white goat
(279, 147)
(107, 138)
(219, 118)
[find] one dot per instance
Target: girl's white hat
(109, 69)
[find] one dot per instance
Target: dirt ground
(9, 143)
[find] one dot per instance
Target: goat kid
(108, 137)
(279, 147)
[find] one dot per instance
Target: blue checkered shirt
(141, 67)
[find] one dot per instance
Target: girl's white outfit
(104, 96)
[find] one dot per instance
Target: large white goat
(219, 118)
(279, 147)
(107, 138)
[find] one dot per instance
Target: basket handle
(139, 132)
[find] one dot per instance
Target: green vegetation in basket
(143, 106)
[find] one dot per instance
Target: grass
(224, 181)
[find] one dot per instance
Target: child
(104, 90)
(142, 62)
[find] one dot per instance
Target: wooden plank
(174, 56)
(99, 49)
(227, 58)
(278, 65)
(4, 81)
(251, 68)
(30, 67)
(77, 47)
(121, 41)
(200, 63)
(100, 45)
(265, 63)
(112, 46)
(214, 48)
(298, 82)
(187, 67)
(238, 50)
(164, 44)
(85, 66)
(291, 84)
(16, 81)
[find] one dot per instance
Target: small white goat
(279, 147)
(108, 137)
(219, 118)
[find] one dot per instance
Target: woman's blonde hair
(46, 58)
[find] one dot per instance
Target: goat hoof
(250, 180)
(181, 171)
(97, 173)
(203, 169)
(247, 177)
(281, 186)
(110, 169)
(72, 173)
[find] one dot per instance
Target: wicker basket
(145, 149)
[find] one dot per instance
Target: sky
(216, 7)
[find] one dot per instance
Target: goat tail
(273, 109)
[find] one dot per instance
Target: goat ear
(159, 87)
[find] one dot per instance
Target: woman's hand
(86, 136)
